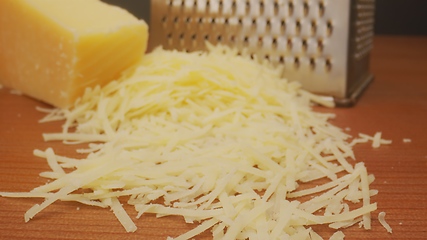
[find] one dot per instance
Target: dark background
(393, 17)
(401, 17)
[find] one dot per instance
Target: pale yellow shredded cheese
(337, 236)
(377, 141)
(381, 218)
(216, 138)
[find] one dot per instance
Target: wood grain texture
(395, 104)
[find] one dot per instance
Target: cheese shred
(381, 219)
(215, 137)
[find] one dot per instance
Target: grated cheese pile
(216, 138)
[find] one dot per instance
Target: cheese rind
(53, 49)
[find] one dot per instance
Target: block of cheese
(52, 50)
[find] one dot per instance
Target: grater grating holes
(247, 6)
(246, 40)
(260, 42)
(328, 64)
(298, 27)
(320, 46)
(282, 26)
(219, 38)
(329, 28)
(321, 9)
(304, 45)
(291, 8)
(276, 8)
(312, 63)
(261, 9)
(274, 43)
(297, 62)
(240, 21)
(268, 25)
(254, 22)
(290, 44)
(252, 18)
(233, 7)
(306, 9)
(364, 27)
(313, 25)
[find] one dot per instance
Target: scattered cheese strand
(381, 218)
(377, 141)
(214, 137)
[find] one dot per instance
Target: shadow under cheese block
(52, 50)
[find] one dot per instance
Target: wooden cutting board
(395, 104)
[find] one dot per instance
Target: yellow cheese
(53, 49)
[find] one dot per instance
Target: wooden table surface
(395, 104)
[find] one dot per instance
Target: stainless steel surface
(324, 44)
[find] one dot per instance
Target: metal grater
(324, 44)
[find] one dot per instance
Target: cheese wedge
(53, 49)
